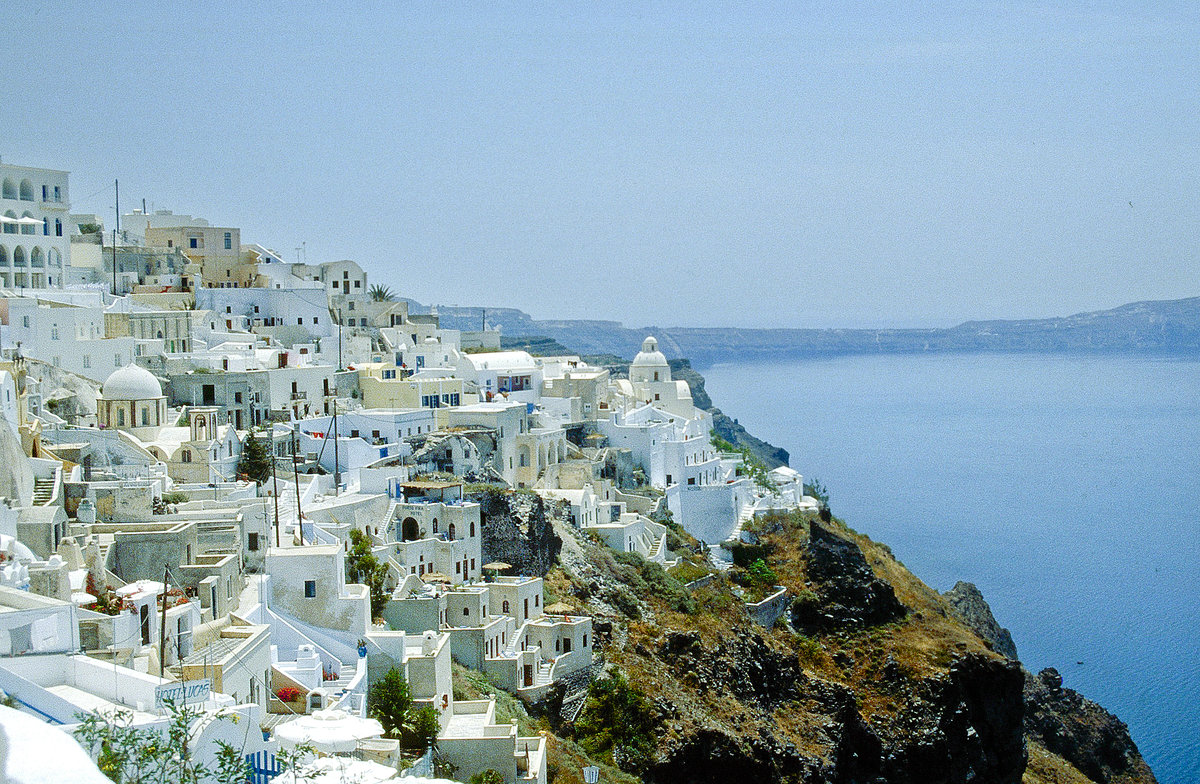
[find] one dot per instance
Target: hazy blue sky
(670, 164)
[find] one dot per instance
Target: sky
(753, 165)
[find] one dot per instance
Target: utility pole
(275, 485)
(162, 632)
(337, 465)
(114, 286)
(296, 472)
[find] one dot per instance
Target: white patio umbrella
(328, 731)
(338, 770)
(29, 220)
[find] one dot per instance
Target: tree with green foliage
(255, 464)
(421, 727)
(364, 568)
(380, 293)
(389, 701)
(617, 719)
(149, 755)
(489, 776)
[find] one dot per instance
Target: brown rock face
(1081, 732)
(848, 591)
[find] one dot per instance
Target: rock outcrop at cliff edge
(1081, 731)
(878, 680)
(518, 531)
(848, 594)
(974, 611)
(964, 725)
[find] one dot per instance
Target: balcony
(60, 204)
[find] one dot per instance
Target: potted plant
(362, 648)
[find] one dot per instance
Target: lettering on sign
(179, 693)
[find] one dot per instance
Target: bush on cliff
(617, 721)
(647, 578)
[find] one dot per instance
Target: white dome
(650, 355)
(131, 383)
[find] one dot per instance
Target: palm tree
(380, 293)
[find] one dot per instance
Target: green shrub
(389, 700)
(420, 728)
(488, 776)
(746, 554)
(647, 578)
(617, 721)
(809, 650)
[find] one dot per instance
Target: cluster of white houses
(135, 367)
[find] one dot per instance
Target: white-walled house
(269, 310)
(433, 530)
(309, 584)
(35, 240)
(70, 337)
(505, 375)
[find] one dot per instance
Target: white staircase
(43, 491)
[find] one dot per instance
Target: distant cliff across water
(1169, 327)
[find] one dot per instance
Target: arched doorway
(410, 530)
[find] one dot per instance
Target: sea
(1066, 487)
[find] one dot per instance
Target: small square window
(193, 242)
(310, 589)
(253, 543)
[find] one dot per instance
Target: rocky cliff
(874, 677)
(517, 530)
(968, 602)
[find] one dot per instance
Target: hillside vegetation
(871, 675)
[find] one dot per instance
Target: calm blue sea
(1067, 488)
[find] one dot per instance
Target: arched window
(26, 190)
(186, 456)
(3, 256)
(45, 227)
(472, 528)
(57, 227)
(504, 607)
(656, 375)
(37, 258)
(55, 258)
(145, 417)
(435, 525)
(28, 227)
(18, 256)
(120, 417)
(10, 189)
(450, 531)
